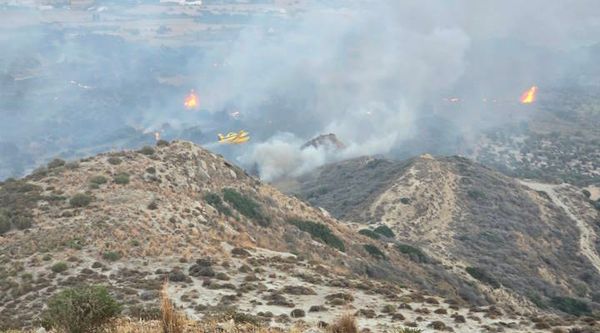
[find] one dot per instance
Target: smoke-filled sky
(374, 72)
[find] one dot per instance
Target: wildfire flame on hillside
(191, 101)
(529, 96)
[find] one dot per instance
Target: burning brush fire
(191, 101)
(529, 96)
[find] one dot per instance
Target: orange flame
(529, 96)
(191, 101)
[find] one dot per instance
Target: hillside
(525, 244)
(225, 242)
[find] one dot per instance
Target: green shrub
(114, 160)
(75, 244)
(151, 170)
(4, 223)
(214, 200)
(111, 256)
(22, 222)
(368, 233)
(56, 163)
(385, 231)
(537, 300)
(319, 232)
(80, 200)
(374, 251)
(121, 178)
(59, 267)
(413, 253)
(162, 143)
(482, 276)
(476, 194)
(570, 305)
(147, 150)
(80, 310)
(98, 180)
(246, 206)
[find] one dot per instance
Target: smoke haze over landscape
(378, 74)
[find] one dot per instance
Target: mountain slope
(225, 242)
(521, 245)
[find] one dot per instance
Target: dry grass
(172, 320)
(345, 324)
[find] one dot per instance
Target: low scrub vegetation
(56, 163)
(374, 251)
(80, 200)
(414, 254)
(111, 256)
(114, 160)
(147, 150)
(570, 305)
(246, 206)
(384, 230)
(98, 180)
(80, 310)
(59, 267)
(483, 276)
(319, 232)
(121, 178)
(214, 200)
(369, 233)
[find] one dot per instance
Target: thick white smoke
(361, 73)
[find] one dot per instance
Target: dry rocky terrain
(226, 243)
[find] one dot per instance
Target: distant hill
(537, 241)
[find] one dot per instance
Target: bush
(56, 163)
(413, 253)
(98, 180)
(570, 306)
(214, 200)
(320, 232)
(344, 324)
(147, 150)
(80, 310)
(59, 267)
(121, 178)
(368, 233)
(151, 170)
(482, 276)
(80, 200)
(162, 143)
(385, 231)
(22, 222)
(374, 251)
(114, 160)
(4, 223)
(246, 206)
(111, 256)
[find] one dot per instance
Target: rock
(367, 313)
(201, 271)
(298, 313)
(317, 308)
(437, 325)
(460, 319)
(240, 252)
(397, 316)
(298, 290)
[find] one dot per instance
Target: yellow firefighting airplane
(234, 138)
